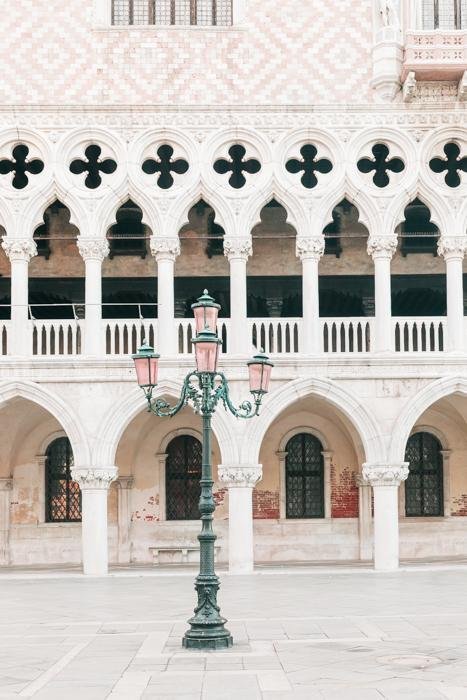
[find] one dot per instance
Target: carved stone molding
(6, 483)
(239, 475)
(93, 248)
(312, 247)
(19, 248)
(385, 474)
(238, 248)
(452, 246)
(125, 482)
(382, 246)
(94, 477)
(164, 248)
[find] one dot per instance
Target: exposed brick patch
(265, 505)
(459, 506)
(344, 494)
(219, 496)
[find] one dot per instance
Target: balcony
(435, 54)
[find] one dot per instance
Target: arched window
(182, 477)
(63, 495)
(304, 477)
(424, 485)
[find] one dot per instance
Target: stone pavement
(298, 635)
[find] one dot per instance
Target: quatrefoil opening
(309, 165)
(165, 166)
(20, 166)
(452, 164)
(237, 165)
(381, 164)
(93, 166)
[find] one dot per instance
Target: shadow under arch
(56, 407)
(134, 403)
(371, 446)
(416, 406)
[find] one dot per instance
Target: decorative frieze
(312, 247)
(19, 248)
(238, 247)
(385, 474)
(93, 248)
(239, 475)
(163, 248)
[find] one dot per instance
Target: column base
(207, 639)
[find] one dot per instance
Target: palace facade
(306, 162)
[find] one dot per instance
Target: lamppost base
(201, 639)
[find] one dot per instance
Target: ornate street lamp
(204, 388)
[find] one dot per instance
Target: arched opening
(346, 283)
(306, 507)
(163, 459)
(424, 485)
(5, 295)
(43, 518)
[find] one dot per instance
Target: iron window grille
(424, 485)
(444, 14)
(304, 483)
(172, 12)
(182, 478)
(63, 495)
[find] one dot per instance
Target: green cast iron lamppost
(204, 388)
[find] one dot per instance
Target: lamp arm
(163, 409)
(244, 410)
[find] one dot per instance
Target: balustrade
(419, 334)
(125, 336)
(345, 335)
(275, 335)
(57, 337)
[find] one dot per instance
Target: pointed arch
(439, 208)
(296, 212)
(38, 204)
(106, 214)
(177, 216)
(368, 213)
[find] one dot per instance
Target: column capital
(382, 246)
(93, 248)
(310, 247)
(19, 248)
(6, 483)
(240, 475)
(240, 247)
(361, 482)
(125, 482)
(385, 474)
(94, 478)
(165, 248)
(450, 247)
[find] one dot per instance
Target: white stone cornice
(94, 478)
(452, 246)
(93, 248)
(164, 248)
(19, 248)
(385, 474)
(310, 247)
(382, 246)
(238, 248)
(6, 483)
(240, 475)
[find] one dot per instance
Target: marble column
(453, 249)
(19, 251)
(124, 486)
(165, 251)
(93, 251)
(240, 480)
(385, 480)
(6, 484)
(382, 249)
(94, 483)
(310, 251)
(365, 519)
(237, 251)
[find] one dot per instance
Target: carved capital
(238, 248)
(94, 477)
(19, 248)
(164, 248)
(125, 482)
(382, 246)
(385, 474)
(452, 246)
(240, 475)
(312, 247)
(6, 483)
(93, 248)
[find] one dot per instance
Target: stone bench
(184, 549)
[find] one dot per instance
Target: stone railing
(62, 337)
(353, 335)
(420, 334)
(275, 335)
(435, 54)
(124, 337)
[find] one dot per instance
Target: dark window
(304, 477)
(182, 478)
(444, 14)
(424, 486)
(63, 495)
(167, 12)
